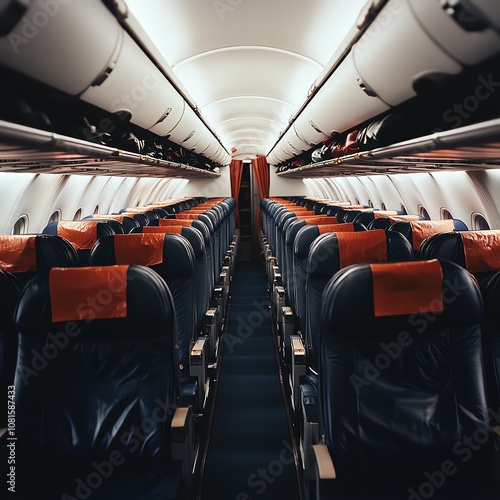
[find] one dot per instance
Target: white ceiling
(248, 64)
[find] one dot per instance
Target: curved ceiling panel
(248, 65)
(253, 106)
(254, 71)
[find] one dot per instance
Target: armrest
(324, 462)
(298, 370)
(180, 418)
(183, 444)
(287, 328)
(198, 368)
(211, 329)
(325, 474)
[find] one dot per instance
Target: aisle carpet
(249, 454)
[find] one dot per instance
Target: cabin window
(21, 225)
(422, 211)
(55, 217)
(403, 209)
(479, 222)
(78, 215)
(446, 214)
(370, 203)
(382, 206)
(96, 209)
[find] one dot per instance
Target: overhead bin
(396, 53)
(136, 87)
(67, 45)
(292, 143)
(191, 133)
(468, 30)
(343, 101)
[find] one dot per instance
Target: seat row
(139, 322)
(320, 258)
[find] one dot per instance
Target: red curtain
(261, 172)
(235, 171)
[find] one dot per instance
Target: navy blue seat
(327, 255)
(385, 221)
(115, 224)
(197, 241)
(401, 383)
(10, 289)
(367, 217)
(299, 237)
(490, 290)
(81, 234)
(94, 412)
(173, 258)
(127, 221)
(417, 231)
(140, 218)
(25, 255)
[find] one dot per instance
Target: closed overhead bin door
(67, 45)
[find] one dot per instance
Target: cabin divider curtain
(235, 171)
(261, 173)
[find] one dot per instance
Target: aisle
(249, 454)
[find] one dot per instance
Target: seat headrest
(420, 230)
(84, 297)
(347, 227)
(481, 250)
(18, 253)
(410, 295)
(363, 246)
(139, 248)
(81, 234)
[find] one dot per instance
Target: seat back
(24, 255)
(10, 289)
(299, 239)
(383, 222)
(417, 231)
(490, 290)
(477, 251)
(172, 257)
(332, 252)
(201, 264)
(97, 359)
(401, 372)
(127, 221)
(81, 234)
(115, 224)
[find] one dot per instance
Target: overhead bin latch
(465, 14)
(163, 116)
(189, 136)
(366, 88)
(315, 127)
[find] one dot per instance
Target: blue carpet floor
(250, 448)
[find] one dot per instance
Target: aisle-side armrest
(198, 368)
(325, 474)
(298, 371)
(183, 444)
